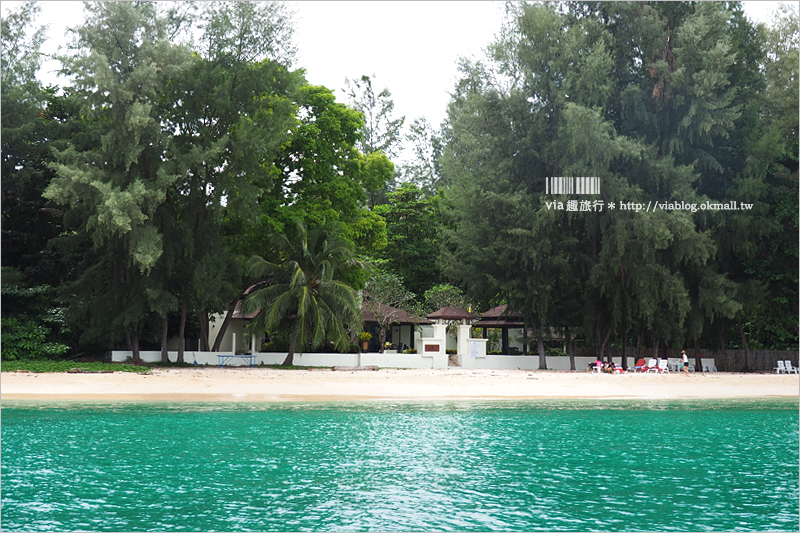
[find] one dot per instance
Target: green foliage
(33, 325)
(34, 121)
(322, 175)
(140, 192)
(423, 169)
(381, 131)
(653, 109)
(248, 32)
(386, 298)
(20, 55)
(446, 295)
(66, 366)
(412, 249)
(26, 339)
(376, 171)
(302, 292)
(555, 352)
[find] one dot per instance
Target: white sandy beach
(260, 384)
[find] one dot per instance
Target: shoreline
(243, 384)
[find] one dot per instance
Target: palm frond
(310, 297)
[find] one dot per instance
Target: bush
(25, 339)
(554, 352)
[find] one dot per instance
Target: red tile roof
(401, 317)
(452, 313)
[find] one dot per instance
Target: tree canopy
(186, 144)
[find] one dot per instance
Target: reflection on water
(557, 465)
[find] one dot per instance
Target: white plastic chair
(781, 368)
(663, 366)
(652, 366)
(790, 369)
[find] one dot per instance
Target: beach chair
(652, 366)
(640, 364)
(781, 368)
(663, 366)
(791, 369)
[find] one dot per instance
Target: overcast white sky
(411, 47)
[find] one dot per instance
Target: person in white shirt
(685, 361)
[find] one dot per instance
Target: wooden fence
(725, 361)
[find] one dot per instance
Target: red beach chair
(638, 367)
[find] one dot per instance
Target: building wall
(237, 326)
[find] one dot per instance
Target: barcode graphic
(572, 185)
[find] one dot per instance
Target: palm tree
(304, 292)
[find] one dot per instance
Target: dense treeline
(136, 199)
(664, 102)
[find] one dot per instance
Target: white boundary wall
(437, 359)
(395, 360)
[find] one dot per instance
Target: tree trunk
(746, 347)
(164, 352)
(289, 361)
(624, 350)
(722, 347)
(542, 353)
(638, 345)
(598, 339)
(135, 344)
(224, 327)
(624, 325)
(182, 328)
(698, 361)
(655, 347)
(570, 349)
(381, 338)
(605, 344)
(524, 340)
(202, 317)
(540, 345)
(111, 345)
(187, 286)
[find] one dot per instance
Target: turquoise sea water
(402, 466)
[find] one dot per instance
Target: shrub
(25, 339)
(554, 352)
